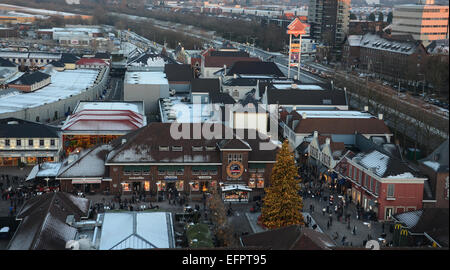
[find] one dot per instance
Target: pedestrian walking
(323, 211)
(354, 230)
(328, 224)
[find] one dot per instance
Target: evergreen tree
(371, 17)
(282, 203)
(390, 16)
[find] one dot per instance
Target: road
(115, 89)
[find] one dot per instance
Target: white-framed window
(210, 148)
(195, 172)
(197, 148)
(177, 148)
(390, 190)
(164, 148)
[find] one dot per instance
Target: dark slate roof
(205, 85)
(229, 53)
(143, 144)
(69, 58)
(30, 78)
(233, 144)
(306, 97)
(178, 73)
(26, 129)
(240, 82)
(103, 55)
(43, 225)
(255, 68)
(440, 156)
(432, 221)
(6, 63)
(221, 98)
(289, 238)
(57, 63)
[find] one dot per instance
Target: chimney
(327, 141)
(366, 108)
(304, 115)
(316, 134)
(380, 116)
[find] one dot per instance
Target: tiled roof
(327, 126)
(218, 61)
(306, 97)
(176, 72)
(255, 68)
(25, 129)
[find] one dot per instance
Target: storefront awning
(170, 168)
(204, 168)
(257, 165)
(235, 187)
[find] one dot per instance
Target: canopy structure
(296, 28)
(235, 187)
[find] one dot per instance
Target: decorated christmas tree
(282, 205)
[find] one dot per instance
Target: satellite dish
(373, 245)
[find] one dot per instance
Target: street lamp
(47, 179)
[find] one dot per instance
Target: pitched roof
(255, 68)
(229, 53)
(327, 126)
(91, 61)
(289, 238)
(205, 85)
(432, 221)
(142, 146)
(30, 78)
(43, 225)
(18, 128)
(306, 97)
(219, 61)
(69, 58)
(438, 160)
(103, 55)
(179, 73)
(6, 63)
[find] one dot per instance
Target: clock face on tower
(235, 169)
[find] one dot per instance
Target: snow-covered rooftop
(175, 109)
(133, 230)
(146, 78)
(376, 160)
(47, 169)
(298, 86)
(63, 85)
(134, 106)
(335, 114)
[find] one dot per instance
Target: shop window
(252, 183)
(126, 187)
(261, 170)
(195, 172)
(213, 172)
(161, 172)
(147, 185)
(126, 171)
(7, 143)
(252, 170)
(52, 142)
(180, 172)
(136, 172)
(19, 142)
(41, 143)
(161, 185)
(96, 186)
(195, 186)
(179, 185)
(260, 183)
(146, 171)
(170, 172)
(30, 143)
(204, 172)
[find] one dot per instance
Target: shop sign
(136, 178)
(205, 177)
(170, 178)
(235, 169)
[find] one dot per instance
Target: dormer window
(177, 148)
(197, 148)
(164, 148)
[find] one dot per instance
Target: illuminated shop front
(235, 193)
(73, 142)
(256, 175)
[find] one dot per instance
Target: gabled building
(30, 82)
(27, 142)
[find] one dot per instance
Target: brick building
(30, 82)
(150, 160)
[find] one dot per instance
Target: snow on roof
(405, 175)
(132, 230)
(410, 219)
(134, 106)
(89, 163)
(354, 40)
(235, 187)
(376, 160)
(64, 84)
(432, 164)
(146, 78)
(175, 109)
(47, 169)
(335, 114)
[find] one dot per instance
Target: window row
(30, 142)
